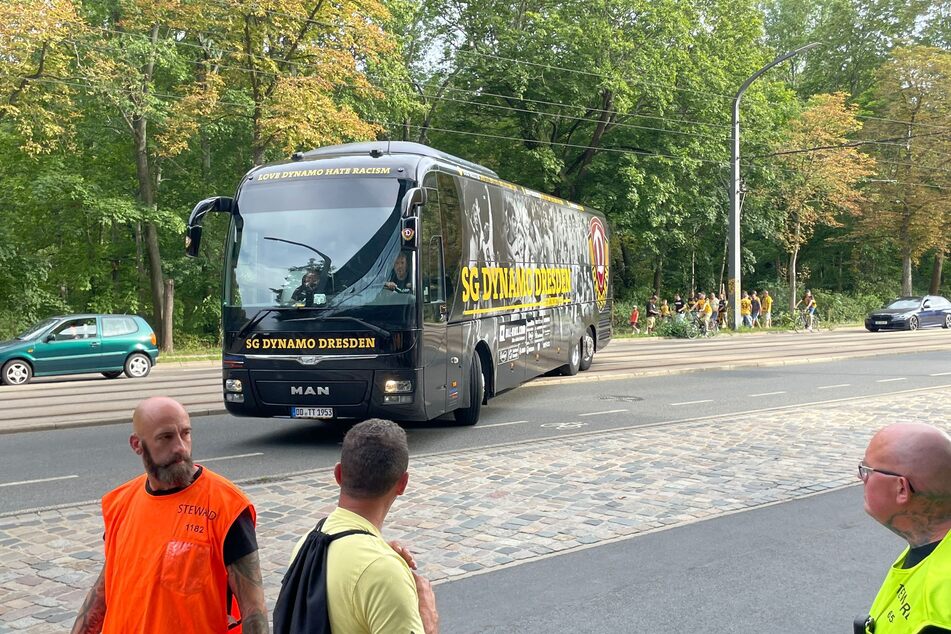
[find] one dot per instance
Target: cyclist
(808, 309)
(704, 311)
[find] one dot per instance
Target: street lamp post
(735, 282)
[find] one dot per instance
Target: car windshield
(330, 245)
(904, 304)
(36, 329)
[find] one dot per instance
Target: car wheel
(587, 351)
(574, 361)
(947, 321)
(16, 372)
(913, 323)
(112, 374)
(137, 366)
(470, 415)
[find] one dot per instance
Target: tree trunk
(658, 275)
(167, 343)
(935, 287)
(726, 253)
(693, 271)
(791, 278)
(906, 274)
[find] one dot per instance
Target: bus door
(434, 306)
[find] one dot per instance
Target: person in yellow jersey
(906, 473)
(746, 310)
(767, 310)
(371, 585)
(704, 311)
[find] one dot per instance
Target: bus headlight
(234, 385)
(398, 387)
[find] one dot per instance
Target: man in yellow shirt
(767, 310)
(746, 309)
(371, 585)
(906, 473)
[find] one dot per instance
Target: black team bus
(394, 280)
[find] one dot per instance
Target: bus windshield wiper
(254, 321)
(380, 331)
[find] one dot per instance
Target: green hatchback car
(73, 344)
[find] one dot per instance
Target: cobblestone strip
(475, 510)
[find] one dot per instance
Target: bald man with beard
(180, 545)
(907, 478)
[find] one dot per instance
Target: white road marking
(941, 374)
(575, 424)
(514, 422)
(900, 378)
(240, 455)
(766, 394)
(709, 400)
(610, 411)
(13, 484)
(832, 387)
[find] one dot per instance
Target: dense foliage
(116, 116)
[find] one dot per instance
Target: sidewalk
(469, 512)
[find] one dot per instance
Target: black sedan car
(911, 313)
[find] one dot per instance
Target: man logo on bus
(598, 244)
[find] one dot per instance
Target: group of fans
(710, 311)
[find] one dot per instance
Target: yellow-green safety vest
(914, 598)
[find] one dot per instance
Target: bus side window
(432, 271)
(450, 211)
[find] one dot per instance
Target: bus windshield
(330, 247)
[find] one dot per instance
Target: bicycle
(801, 321)
(701, 326)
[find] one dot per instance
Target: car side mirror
(50, 337)
(926, 305)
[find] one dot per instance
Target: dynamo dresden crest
(598, 245)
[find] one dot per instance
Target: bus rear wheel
(476, 384)
(587, 351)
(574, 361)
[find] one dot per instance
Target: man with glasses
(907, 478)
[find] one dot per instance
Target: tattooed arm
(93, 612)
(244, 577)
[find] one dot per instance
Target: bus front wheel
(476, 385)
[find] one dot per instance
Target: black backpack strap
(301, 606)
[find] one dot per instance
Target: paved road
(490, 509)
(810, 565)
(79, 464)
(92, 400)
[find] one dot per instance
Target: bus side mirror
(221, 204)
(414, 197)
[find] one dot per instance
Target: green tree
(821, 175)
(912, 101)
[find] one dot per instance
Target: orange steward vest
(165, 570)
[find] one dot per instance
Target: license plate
(880, 323)
(312, 412)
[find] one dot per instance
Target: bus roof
(395, 147)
